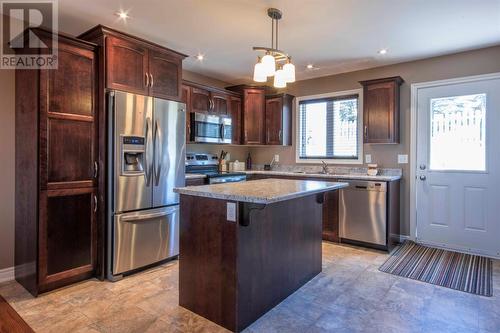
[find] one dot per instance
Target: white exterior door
(458, 166)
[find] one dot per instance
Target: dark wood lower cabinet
(57, 174)
(233, 272)
(330, 207)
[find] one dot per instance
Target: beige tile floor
(350, 295)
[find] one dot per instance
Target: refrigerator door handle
(148, 163)
(158, 148)
(141, 217)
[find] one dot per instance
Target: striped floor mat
(464, 272)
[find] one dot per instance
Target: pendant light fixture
(274, 62)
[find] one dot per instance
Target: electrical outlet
(403, 159)
(231, 212)
(276, 158)
(368, 158)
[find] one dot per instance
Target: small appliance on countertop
(208, 164)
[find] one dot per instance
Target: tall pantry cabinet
(57, 169)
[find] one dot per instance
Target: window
(458, 138)
(329, 128)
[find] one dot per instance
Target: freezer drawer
(145, 237)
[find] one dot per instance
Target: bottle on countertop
(249, 162)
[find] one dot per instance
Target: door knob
(422, 177)
(422, 166)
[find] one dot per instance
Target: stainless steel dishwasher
(363, 213)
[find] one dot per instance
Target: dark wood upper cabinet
(200, 100)
(220, 103)
(165, 72)
(186, 99)
(57, 179)
(279, 119)
(381, 110)
(127, 66)
(253, 114)
(235, 112)
(137, 65)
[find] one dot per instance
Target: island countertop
(263, 191)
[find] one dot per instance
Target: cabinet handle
(96, 169)
(152, 80)
(280, 134)
(366, 131)
(147, 79)
(95, 203)
(246, 135)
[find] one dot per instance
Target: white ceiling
(335, 35)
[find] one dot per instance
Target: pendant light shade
(259, 74)
(279, 79)
(289, 70)
(275, 61)
(269, 65)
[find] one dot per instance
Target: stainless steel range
(208, 164)
(147, 153)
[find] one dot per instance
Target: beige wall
(445, 67)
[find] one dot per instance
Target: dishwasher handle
(364, 185)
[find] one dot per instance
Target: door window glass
(457, 133)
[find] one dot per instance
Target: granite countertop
(195, 176)
(353, 176)
(263, 191)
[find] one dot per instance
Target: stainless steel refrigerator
(146, 141)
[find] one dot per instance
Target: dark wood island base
(232, 272)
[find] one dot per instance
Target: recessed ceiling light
(382, 51)
(123, 15)
(200, 57)
(310, 66)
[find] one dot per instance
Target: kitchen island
(245, 247)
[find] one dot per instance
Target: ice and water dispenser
(132, 155)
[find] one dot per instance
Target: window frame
(359, 160)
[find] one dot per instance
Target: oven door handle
(221, 132)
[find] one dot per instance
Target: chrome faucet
(325, 167)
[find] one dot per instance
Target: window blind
(328, 128)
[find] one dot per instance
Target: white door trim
(415, 87)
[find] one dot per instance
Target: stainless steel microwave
(210, 128)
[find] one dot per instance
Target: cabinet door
(331, 216)
(220, 103)
(186, 99)
(274, 121)
(68, 128)
(200, 100)
(235, 112)
(67, 241)
(126, 66)
(253, 116)
(381, 113)
(165, 75)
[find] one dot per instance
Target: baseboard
(6, 274)
(402, 238)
